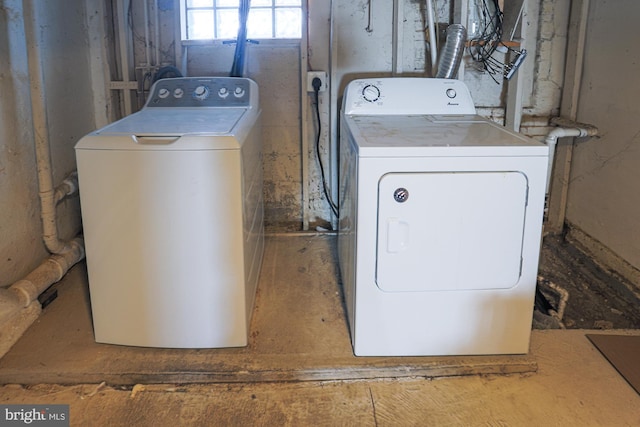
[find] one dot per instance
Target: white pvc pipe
(562, 303)
(397, 39)
(68, 187)
(552, 139)
(46, 274)
(47, 194)
(66, 254)
(21, 297)
(147, 37)
(156, 38)
(433, 47)
(123, 42)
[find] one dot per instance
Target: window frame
(271, 40)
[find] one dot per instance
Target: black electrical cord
(316, 82)
(491, 35)
(482, 47)
(166, 72)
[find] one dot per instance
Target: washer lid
(176, 122)
(437, 135)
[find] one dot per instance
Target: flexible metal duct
(452, 52)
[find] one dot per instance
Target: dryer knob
(401, 195)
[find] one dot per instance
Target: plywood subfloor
(298, 333)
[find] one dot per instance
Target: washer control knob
(401, 195)
(163, 93)
(451, 93)
(201, 93)
(223, 92)
(239, 92)
(178, 92)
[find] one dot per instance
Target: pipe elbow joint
(68, 187)
(25, 291)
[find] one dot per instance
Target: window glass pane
(218, 19)
(288, 3)
(199, 3)
(200, 24)
(288, 23)
(227, 24)
(260, 23)
(227, 3)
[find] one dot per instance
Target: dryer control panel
(203, 92)
(407, 96)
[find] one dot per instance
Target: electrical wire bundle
(483, 45)
(489, 39)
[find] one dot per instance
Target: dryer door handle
(397, 235)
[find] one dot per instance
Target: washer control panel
(407, 96)
(202, 92)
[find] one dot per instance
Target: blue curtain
(237, 70)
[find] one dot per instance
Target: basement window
(218, 19)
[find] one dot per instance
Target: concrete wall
(62, 35)
(21, 248)
(603, 196)
(276, 69)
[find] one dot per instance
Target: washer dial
(163, 93)
(239, 92)
(223, 92)
(371, 93)
(201, 93)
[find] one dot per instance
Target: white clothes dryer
(171, 201)
(440, 222)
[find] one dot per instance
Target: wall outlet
(322, 75)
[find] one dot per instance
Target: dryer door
(450, 230)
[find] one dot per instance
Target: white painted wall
(63, 36)
(603, 195)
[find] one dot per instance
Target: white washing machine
(172, 211)
(440, 222)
